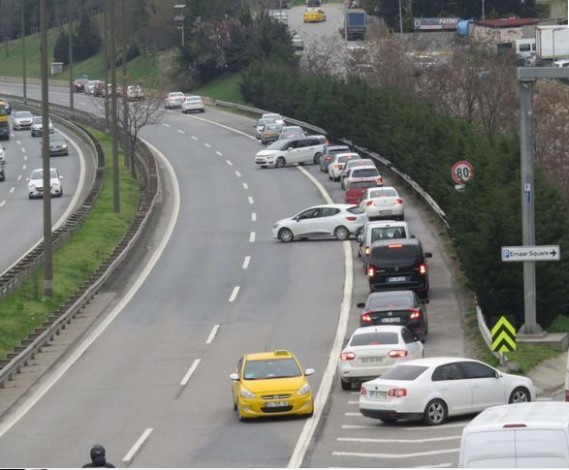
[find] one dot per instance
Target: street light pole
(400, 18)
(483, 16)
(180, 19)
(24, 51)
(114, 125)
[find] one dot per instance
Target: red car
(356, 189)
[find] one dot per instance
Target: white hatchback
(336, 165)
(193, 103)
(383, 203)
(373, 350)
(326, 220)
(35, 184)
(432, 389)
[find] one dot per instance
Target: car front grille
(276, 397)
(280, 409)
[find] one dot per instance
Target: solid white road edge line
(234, 293)
(137, 445)
(407, 441)
(327, 379)
(246, 262)
(212, 334)
(17, 414)
(402, 430)
(439, 465)
(395, 456)
(191, 370)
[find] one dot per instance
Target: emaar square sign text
(531, 253)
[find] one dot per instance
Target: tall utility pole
(24, 50)
(70, 54)
(125, 119)
(114, 125)
(106, 6)
(48, 268)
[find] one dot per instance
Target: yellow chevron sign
(503, 336)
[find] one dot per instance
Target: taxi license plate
(277, 404)
(396, 279)
(377, 394)
(371, 359)
(391, 320)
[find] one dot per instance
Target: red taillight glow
(365, 318)
(370, 271)
(423, 269)
(398, 201)
(395, 246)
(327, 158)
(506, 426)
(347, 356)
(351, 218)
(398, 353)
(397, 392)
(363, 390)
(415, 314)
(370, 203)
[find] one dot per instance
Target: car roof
(437, 361)
(277, 354)
(378, 328)
(396, 241)
(531, 414)
(337, 205)
(175, 93)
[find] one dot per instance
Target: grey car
(37, 126)
(22, 120)
(58, 145)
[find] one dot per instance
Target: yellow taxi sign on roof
(282, 352)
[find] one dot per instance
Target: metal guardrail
(388, 165)
(43, 335)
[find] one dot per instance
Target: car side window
(451, 371)
(329, 211)
(475, 370)
(407, 338)
(292, 145)
(309, 214)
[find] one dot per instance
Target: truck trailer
(552, 42)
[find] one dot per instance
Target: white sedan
(193, 103)
(383, 202)
(35, 184)
(174, 100)
(326, 220)
(432, 389)
(373, 350)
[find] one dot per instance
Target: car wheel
(317, 158)
(285, 235)
(281, 162)
(345, 385)
(519, 395)
(341, 233)
(435, 413)
(61, 193)
(388, 420)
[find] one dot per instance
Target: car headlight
(304, 389)
(246, 393)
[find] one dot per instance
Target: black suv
(398, 264)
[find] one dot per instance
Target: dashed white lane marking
(166, 125)
(412, 428)
(12, 189)
(395, 456)
(250, 199)
(194, 137)
(352, 402)
(207, 145)
(234, 293)
(25, 157)
(352, 414)
(180, 131)
(19, 177)
(2, 203)
(229, 162)
(18, 142)
(24, 167)
(212, 334)
(246, 262)
(190, 372)
(137, 445)
(406, 441)
(218, 153)
(253, 216)
(251, 237)
(238, 174)
(245, 186)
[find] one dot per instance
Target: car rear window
(364, 172)
(355, 210)
(382, 193)
(403, 300)
(362, 184)
(404, 372)
(395, 254)
(375, 338)
(335, 150)
(384, 233)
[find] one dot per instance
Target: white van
(525, 48)
(521, 435)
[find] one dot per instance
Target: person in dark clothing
(98, 458)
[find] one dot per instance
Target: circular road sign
(462, 172)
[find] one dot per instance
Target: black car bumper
(389, 414)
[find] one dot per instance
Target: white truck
(552, 42)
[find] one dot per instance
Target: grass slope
(224, 88)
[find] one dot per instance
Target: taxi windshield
(271, 369)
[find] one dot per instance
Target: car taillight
(371, 271)
(347, 356)
(365, 318)
(422, 268)
(398, 353)
(379, 181)
(397, 392)
(415, 314)
(398, 201)
(508, 426)
(327, 158)
(351, 218)
(337, 165)
(370, 203)
(363, 390)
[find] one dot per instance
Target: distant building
(502, 33)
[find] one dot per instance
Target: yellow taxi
(271, 384)
(314, 16)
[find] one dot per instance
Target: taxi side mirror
(234, 377)
(309, 371)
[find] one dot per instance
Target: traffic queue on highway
(385, 356)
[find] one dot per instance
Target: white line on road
(137, 445)
(180, 131)
(166, 125)
(253, 216)
(250, 198)
(352, 402)
(12, 189)
(245, 186)
(18, 142)
(191, 370)
(234, 293)
(238, 174)
(402, 429)
(212, 334)
(25, 157)
(19, 177)
(395, 456)
(438, 465)
(219, 153)
(2, 203)
(251, 237)
(207, 145)
(24, 167)
(246, 262)
(194, 137)
(352, 414)
(229, 162)
(406, 441)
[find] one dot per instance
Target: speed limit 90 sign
(462, 172)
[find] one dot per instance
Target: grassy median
(26, 309)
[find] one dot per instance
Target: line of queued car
(187, 104)
(98, 88)
(384, 356)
